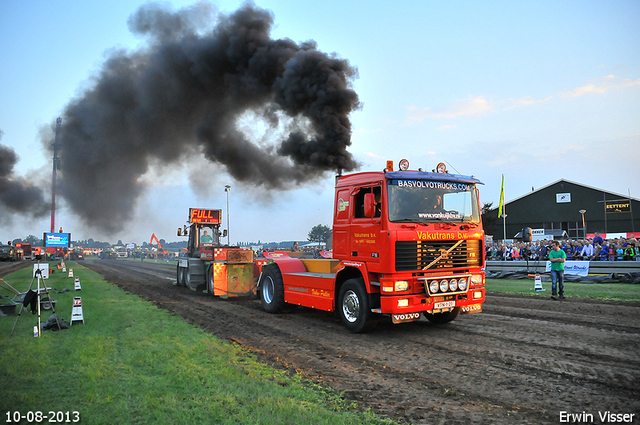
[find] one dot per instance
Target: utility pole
(56, 166)
(226, 189)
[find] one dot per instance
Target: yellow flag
(501, 199)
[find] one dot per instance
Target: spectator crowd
(590, 249)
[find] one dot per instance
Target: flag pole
(501, 211)
(504, 226)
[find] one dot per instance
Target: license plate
(404, 317)
(444, 304)
(475, 308)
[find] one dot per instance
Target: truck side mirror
(369, 205)
(224, 233)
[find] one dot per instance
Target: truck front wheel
(442, 318)
(353, 307)
(272, 289)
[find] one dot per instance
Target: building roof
(625, 197)
(560, 205)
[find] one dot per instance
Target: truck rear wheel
(442, 318)
(353, 307)
(271, 289)
(181, 278)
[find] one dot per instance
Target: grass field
(605, 291)
(133, 363)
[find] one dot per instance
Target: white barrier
(581, 268)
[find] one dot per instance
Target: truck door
(341, 218)
(366, 223)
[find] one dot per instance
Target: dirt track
(524, 360)
(7, 267)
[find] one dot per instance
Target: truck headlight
(476, 280)
(453, 285)
(462, 284)
(401, 285)
(434, 286)
(444, 285)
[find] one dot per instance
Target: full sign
(198, 215)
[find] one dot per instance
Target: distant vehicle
(76, 254)
(159, 251)
(27, 253)
(36, 251)
(9, 253)
(107, 254)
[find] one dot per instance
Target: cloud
(373, 156)
(601, 85)
(462, 107)
(479, 105)
(370, 131)
(513, 103)
(573, 149)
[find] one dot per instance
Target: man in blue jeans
(557, 258)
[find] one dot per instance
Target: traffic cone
(538, 283)
(76, 311)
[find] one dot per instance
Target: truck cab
(203, 237)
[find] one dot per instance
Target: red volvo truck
(406, 243)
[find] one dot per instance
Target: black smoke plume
(17, 194)
(198, 74)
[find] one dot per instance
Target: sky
(534, 91)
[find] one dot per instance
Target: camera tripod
(37, 277)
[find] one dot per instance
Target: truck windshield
(208, 235)
(422, 201)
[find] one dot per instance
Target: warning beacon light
(441, 168)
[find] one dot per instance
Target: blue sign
(57, 240)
